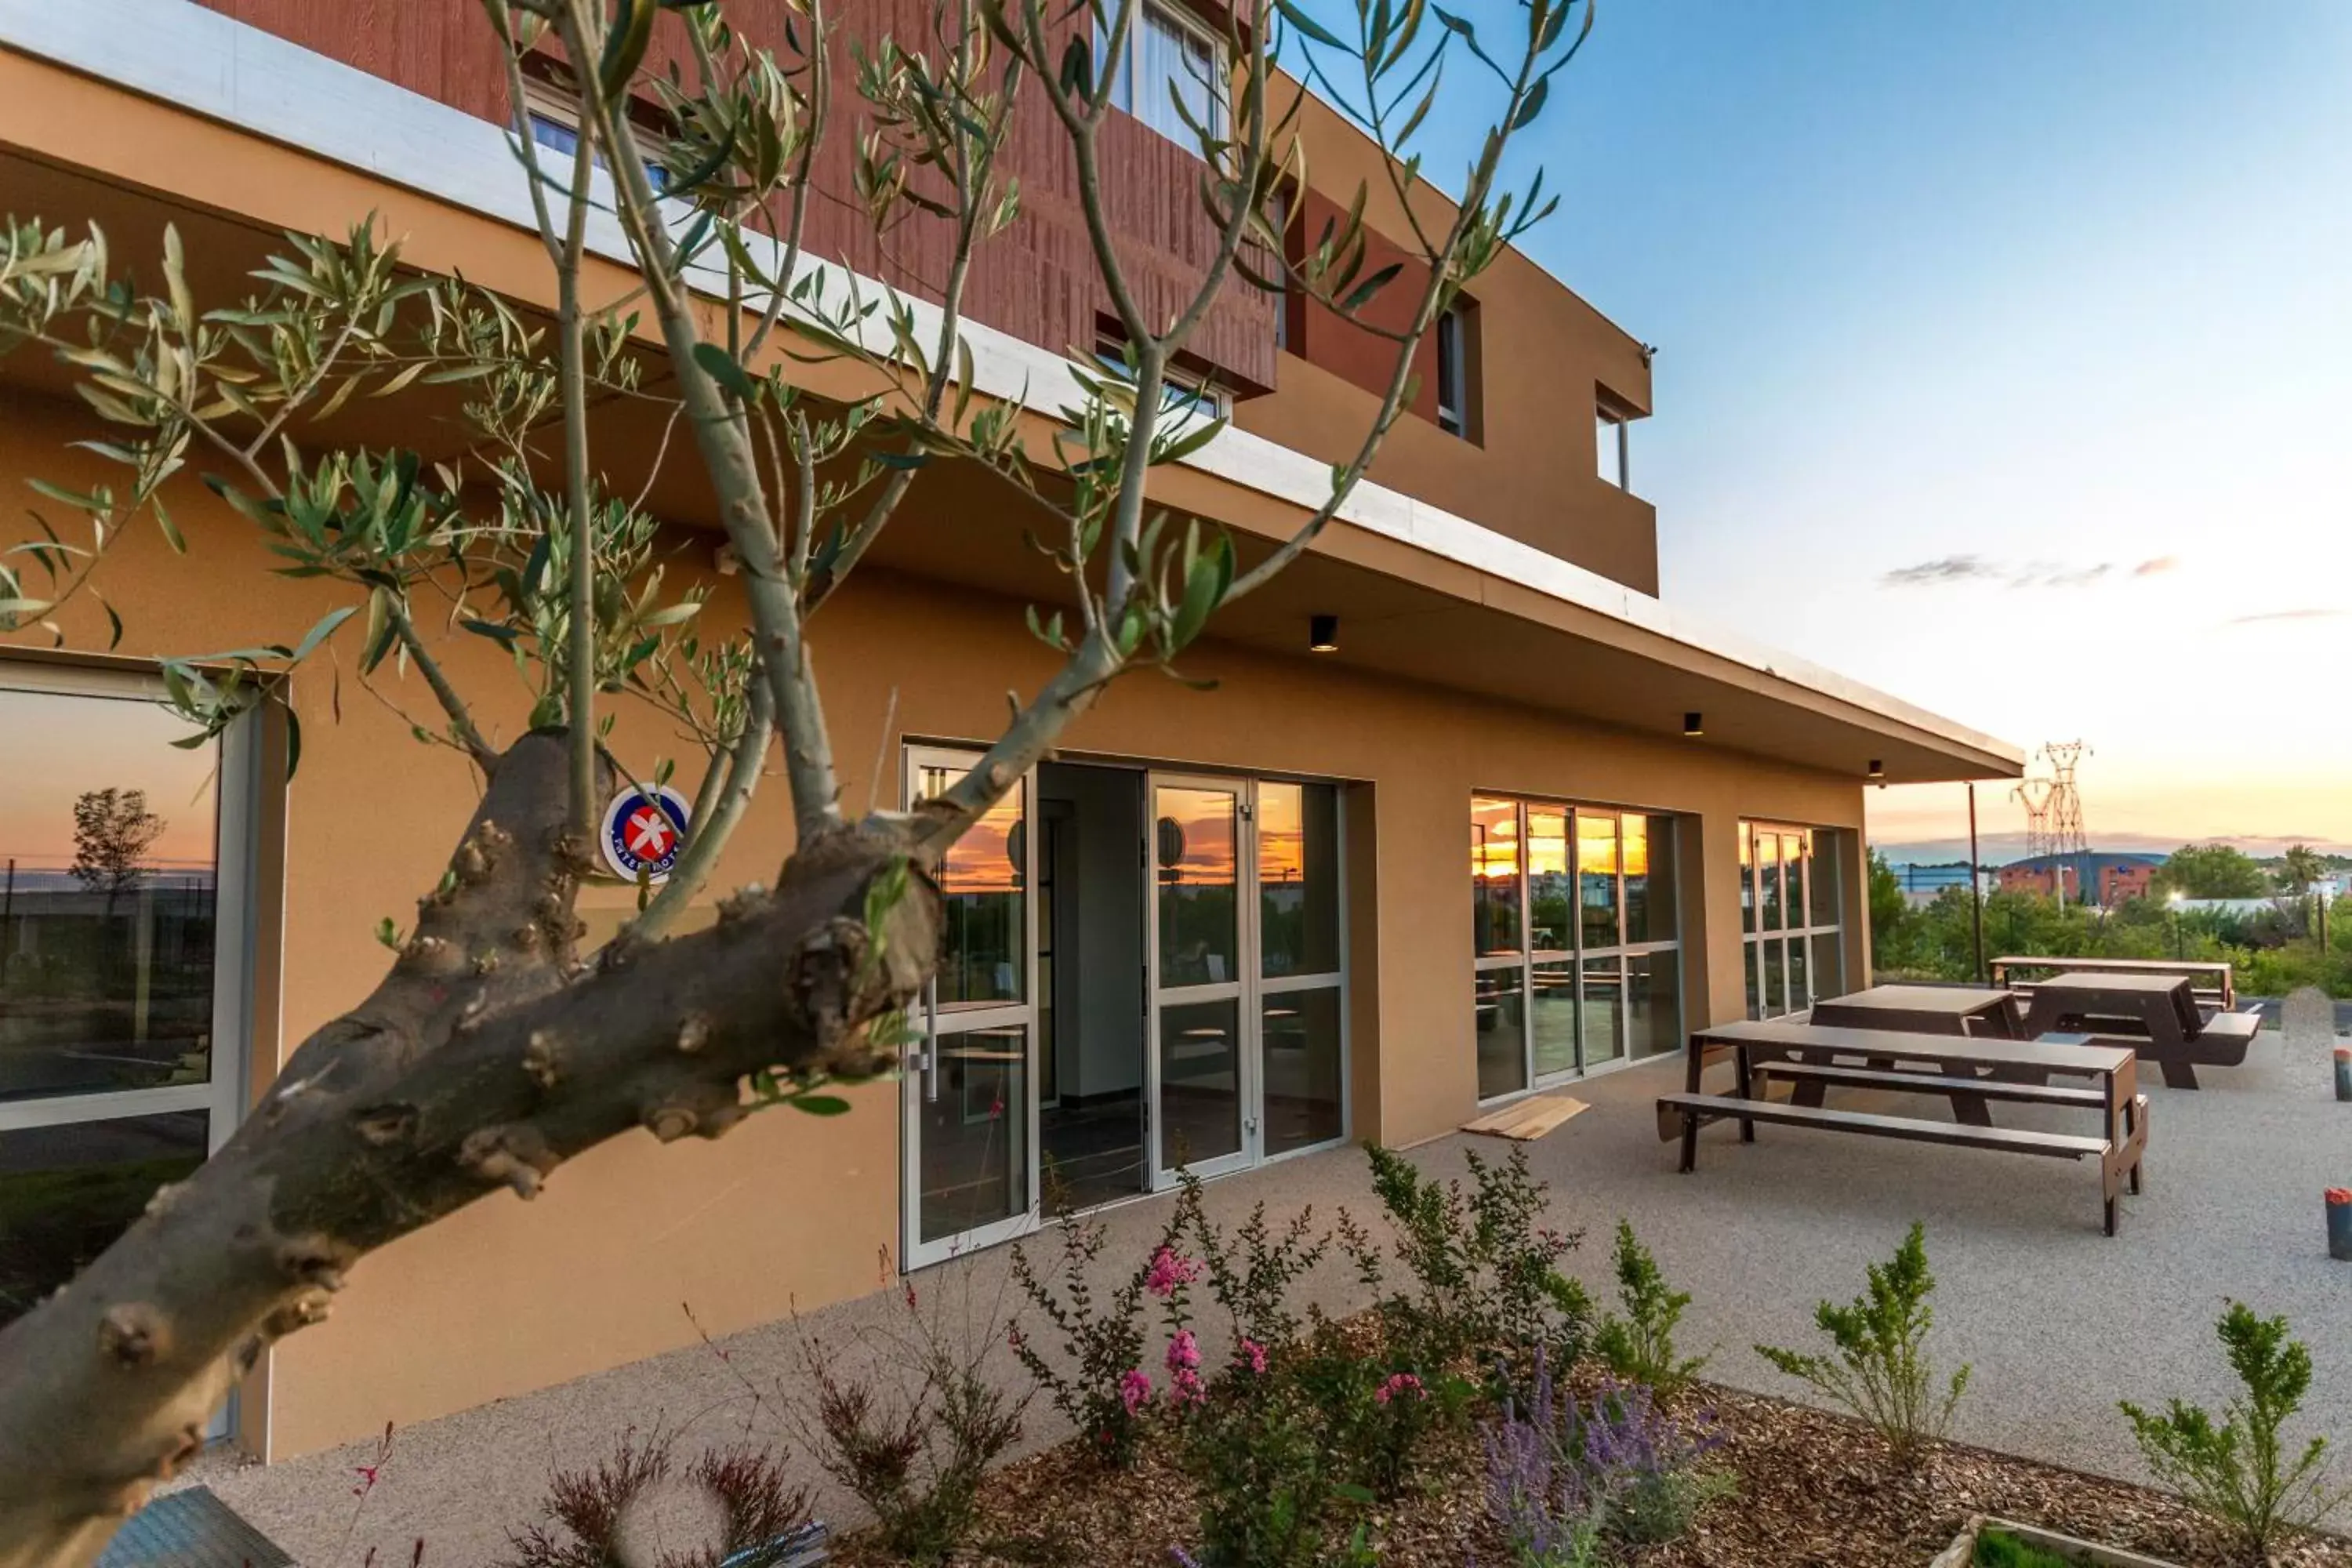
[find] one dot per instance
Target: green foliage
(1640, 1346)
(2000, 1549)
(2210, 871)
(1881, 1372)
(2239, 1470)
(1101, 1337)
(1487, 1287)
(1268, 1479)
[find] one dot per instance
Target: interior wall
(1107, 1030)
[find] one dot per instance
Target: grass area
(2000, 1549)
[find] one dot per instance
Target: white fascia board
(216, 66)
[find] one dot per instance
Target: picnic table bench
(2155, 1015)
(2214, 980)
(1971, 1071)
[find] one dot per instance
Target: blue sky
(2051, 303)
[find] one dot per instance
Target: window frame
(1221, 68)
(543, 102)
(1619, 475)
(1452, 333)
(1757, 940)
(1527, 956)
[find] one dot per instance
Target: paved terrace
(2058, 1321)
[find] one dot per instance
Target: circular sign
(643, 829)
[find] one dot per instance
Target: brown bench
(1969, 1071)
(2155, 1015)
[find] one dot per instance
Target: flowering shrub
(1097, 1380)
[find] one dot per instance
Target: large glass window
(1302, 1008)
(1790, 876)
(121, 962)
(1597, 977)
(983, 945)
(1180, 68)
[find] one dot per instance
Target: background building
(2093, 876)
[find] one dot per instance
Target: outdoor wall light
(1322, 634)
(1877, 771)
(1691, 725)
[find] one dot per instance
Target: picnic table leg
(1694, 1070)
(1745, 1068)
(2177, 1074)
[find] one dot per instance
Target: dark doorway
(1090, 982)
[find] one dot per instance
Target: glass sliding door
(1576, 944)
(1499, 947)
(1203, 1076)
(126, 933)
(1302, 1009)
(1790, 883)
(970, 1097)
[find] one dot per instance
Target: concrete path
(2058, 1321)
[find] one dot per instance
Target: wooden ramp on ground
(1527, 1119)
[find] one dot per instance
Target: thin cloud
(1949, 569)
(2287, 616)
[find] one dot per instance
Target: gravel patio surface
(2058, 1321)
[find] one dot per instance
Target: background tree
(2299, 868)
(493, 1050)
(2209, 872)
(114, 831)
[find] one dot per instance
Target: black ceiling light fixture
(1877, 772)
(1322, 634)
(1691, 725)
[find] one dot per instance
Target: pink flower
(1398, 1384)
(1252, 1355)
(1183, 1351)
(1134, 1388)
(1188, 1387)
(1168, 1270)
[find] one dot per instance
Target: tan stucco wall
(791, 1210)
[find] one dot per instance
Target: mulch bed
(1816, 1490)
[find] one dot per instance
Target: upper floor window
(1177, 60)
(1611, 441)
(555, 123)
(1456, 395)
(1184, 393)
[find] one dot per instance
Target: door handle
(931, 1056)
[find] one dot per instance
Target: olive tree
(494, 1048)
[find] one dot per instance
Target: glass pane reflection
(1602, 1014)
(1501, 1008)
(108, 850)
(1653, 1002)
(983, 944)
(1551, 1013)
(1596, 877)
(1198, 869)
(67, 1191)
(975, 1134)
(1200, 1081)
(1650, 871)
(1552, 892)
(1494, 876)
(1298, 879)
(1300, 1070)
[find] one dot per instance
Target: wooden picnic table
(1967, 1068)
(2215, 980)
(2155, 1015)
(1924, 1009)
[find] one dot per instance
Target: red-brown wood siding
(1322, 336)
(1036, 281)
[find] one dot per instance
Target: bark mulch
(1815, 1490)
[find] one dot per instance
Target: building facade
(1466, 848)
(2096, 876)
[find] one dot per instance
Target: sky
(2005, 363)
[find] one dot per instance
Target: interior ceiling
(964, 526)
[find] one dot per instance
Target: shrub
(1252, 1273)
(1640, 1346)
(1373, 1411)
(589, 1509)
(2238, 1471)
(1881, 1371)
(914, 1435)
(1097, 1380)
(1488, 1285)
(1646, 1465)
(1269, 1486)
